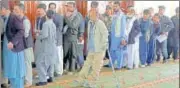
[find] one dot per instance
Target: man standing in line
(133, 33)
(1, 32)
(13, 48)
(173, 37)
(145, 26)
(28, 52)
(107, 19)
(45, 60)
(4, 81)
(41, 10)
(118, 38)
(58, 21)
(166, 26)
(73, 20)
(154, 32)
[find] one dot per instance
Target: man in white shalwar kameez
(133, 31)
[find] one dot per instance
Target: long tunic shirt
(118, 31)
(47, 39)
(59, 21)
(173, 37)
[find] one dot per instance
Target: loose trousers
(16, 82)
(117, 56)
(161, 48)
(92, 66)
(44, 69)
(29, 58)
(143, 50)
(59, 61)
(174, 50)
(152, 51)
(133, 55)
(70, 55)
(80, 60)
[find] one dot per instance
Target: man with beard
(118, 43)
(133, 32)
(166, 26)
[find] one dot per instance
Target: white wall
(170, 6)
(102, 6)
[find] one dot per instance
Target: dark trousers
(161, 48)
(80, 58)
(151, 51)
(70, 55)
(174, 50)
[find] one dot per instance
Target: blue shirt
(91, 47)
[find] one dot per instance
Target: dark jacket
(173, 37)
(43, 19)
(71, 34)
(134, 32)
(59, 22)
(15, 32)
(166, 24)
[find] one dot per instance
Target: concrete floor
(157, 76)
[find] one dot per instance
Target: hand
(123, 42)
(37, 32)
(80, 39)
(10, 45)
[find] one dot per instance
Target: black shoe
(41, 83)
(50, 80)
(4, 86)
(106, 66)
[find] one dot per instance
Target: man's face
(146, 16)
(40, 11)
(108, 11)
(93, 15)
(52, 7)
(70, 8)
(116, 7)
(17, 10)
(161, 11)
(156, 19)
(3, 11)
